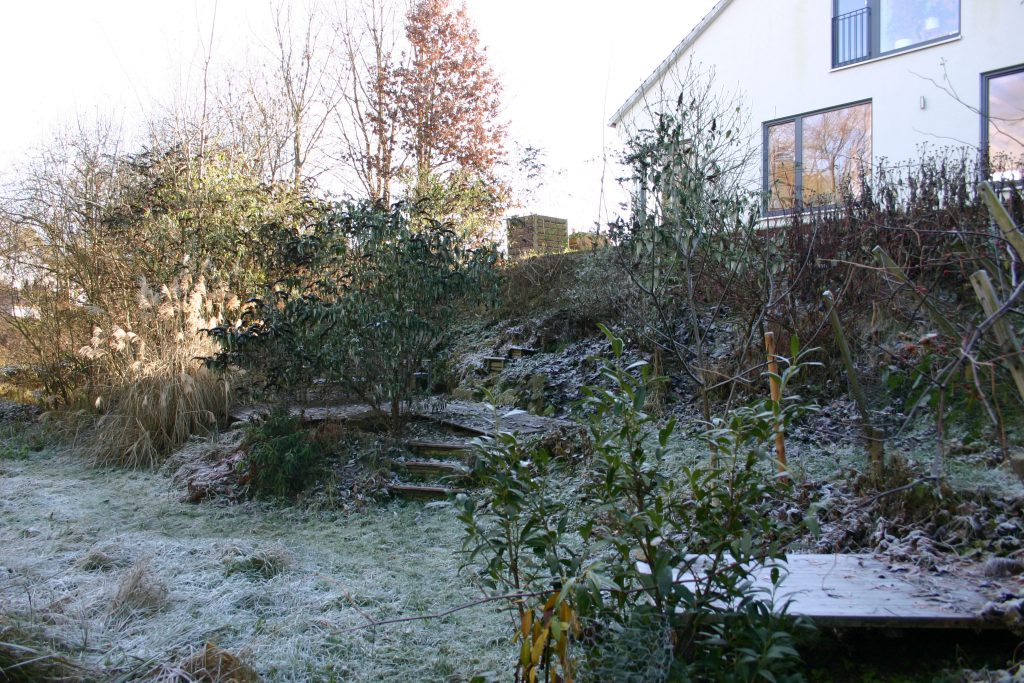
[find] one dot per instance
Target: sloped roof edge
(667, 63)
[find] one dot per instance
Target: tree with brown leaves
(449, 97)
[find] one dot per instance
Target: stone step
(432, 468)
(423, 492)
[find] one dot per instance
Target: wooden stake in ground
(876, 452)
(776, 392)
(1005, 335)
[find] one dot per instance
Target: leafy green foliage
(365, 301)
(517, 533)
(282, 457)
(646, 541)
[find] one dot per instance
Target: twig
(445, 613)
(899, 489)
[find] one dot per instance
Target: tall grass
(149, 390)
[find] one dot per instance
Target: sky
(566, 66)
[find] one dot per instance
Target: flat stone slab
(865, 591)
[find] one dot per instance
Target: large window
(812, 159)
(862, 29)
(1002, 121)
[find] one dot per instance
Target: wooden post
(876, 452)
(776, 393)
(1005, 335)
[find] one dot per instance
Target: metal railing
(851, 37)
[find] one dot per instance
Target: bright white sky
(566, 66)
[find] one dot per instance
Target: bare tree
(367, 119)
(690, 240)
(255, 122)
(304, 52)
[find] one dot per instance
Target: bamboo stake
(897, 274)
(776, 393)
(1011, 233)
(876, 451)
(1005, 335)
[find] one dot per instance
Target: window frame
(983, 110)
(798, 149)
(875, 33)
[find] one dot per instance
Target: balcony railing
(851, 37)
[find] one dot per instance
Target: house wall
(777, 55)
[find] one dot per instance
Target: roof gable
(667, 63)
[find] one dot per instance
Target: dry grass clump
(138, 591)
(101, 558)
(27, 656)
(265, 563)
(211, 664)
(148, 383)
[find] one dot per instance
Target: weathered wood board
(439, 449)
(864, 591)
(480, 418)
(333, 413)
(424, 492)
(477, 418)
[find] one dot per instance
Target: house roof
(667, 63)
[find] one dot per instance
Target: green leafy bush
(282, 457)
(643, 550)
(365, 301)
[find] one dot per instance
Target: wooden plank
(439, 449)
(479, 418)
(310, 414)
(494, 363)
(864, 591)
(1011, 233)
(1005, 335)
(520, 351)
(423, 492)
(775, 389)
(432, 468)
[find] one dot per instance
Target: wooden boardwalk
(864, 591)
(481, 419)
(476, 418)
(313, 414)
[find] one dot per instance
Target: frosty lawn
(124, 575)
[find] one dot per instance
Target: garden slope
(277, 586)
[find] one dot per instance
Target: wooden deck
(864, 591)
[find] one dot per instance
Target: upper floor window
(863, 29)
(813, 159)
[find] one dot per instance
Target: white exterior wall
(778, 55)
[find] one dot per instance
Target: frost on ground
(125, 576)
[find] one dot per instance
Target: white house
(867, 78)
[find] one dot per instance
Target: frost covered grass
(125, 578)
